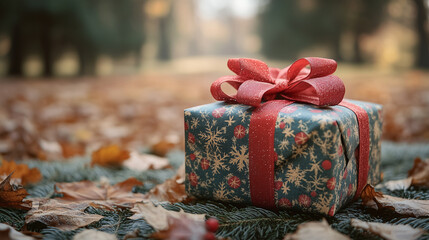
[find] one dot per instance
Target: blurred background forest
(124, 70)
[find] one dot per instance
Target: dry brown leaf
(9, 233)
(143, 162)
(117, 194)
(162, 147)
(402, 206)
(70, 150)
(389, 231)
(92, 234)
(172, 190)
(21, 172)
(315, 230)
(12, 196)
(157, 216)
(110, 156)
(65, 216)
(418, 175)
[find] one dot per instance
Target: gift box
(298, 146)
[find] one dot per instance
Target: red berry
(212, 224)
(209, 236)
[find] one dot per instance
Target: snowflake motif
(194, 123)
(205, 164)
(230, 121)
(234, 182)
(287, 131)
(324, 202)
(303, 126)
(213, 138)
(295, 175)
(239, 131)
(322, 120)
(284, 144)
(243, 115)
(285, 188)
(221, 193)
(218, 162)
(316, 182)
(299, 151)
(240, 157)
(218, 112)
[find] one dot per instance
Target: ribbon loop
(256, 82)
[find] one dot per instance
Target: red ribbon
(255, 82)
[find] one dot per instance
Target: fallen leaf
(182, 228)
(418, 175)
(9, 233)
(143, 162)
(21, 172)
(70, 150)
(110, 156)
(402, 206)
(12, 196)
(117, 194)
(315, 230)
(172, 190)
(162, 147)
(388, 231)
(64, 216)
(92, 234)
(157, 216)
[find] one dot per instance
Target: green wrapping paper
(316, 167)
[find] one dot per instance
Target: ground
(55, 124)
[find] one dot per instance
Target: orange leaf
(22, 172)
(109, 156)
(12, 196)
(162, 148)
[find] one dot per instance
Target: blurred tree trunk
(16, 57)
(357, 57)
(422, 58)
(47, 46)
(87, 60)
(164, 48)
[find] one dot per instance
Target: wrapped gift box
(316, 148)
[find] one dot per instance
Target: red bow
(256, 82)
